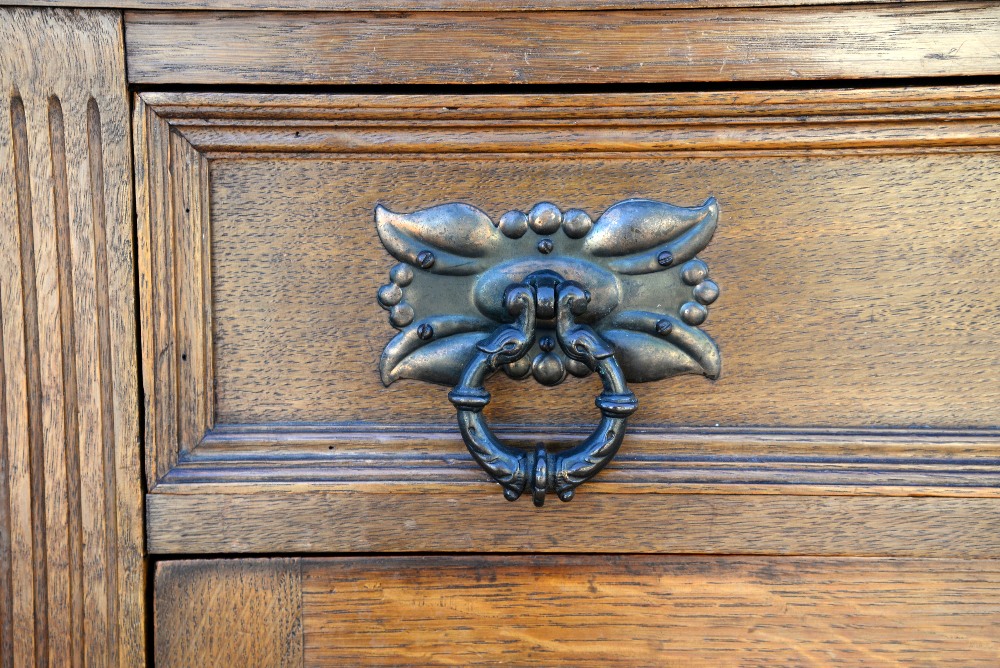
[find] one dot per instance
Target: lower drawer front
(569, 610)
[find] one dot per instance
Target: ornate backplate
(648, 291)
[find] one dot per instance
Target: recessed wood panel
(857, 290)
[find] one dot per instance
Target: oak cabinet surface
(831, 499)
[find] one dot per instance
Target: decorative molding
(174, 276)
(889, 462)
(596, 127)
(71, 559)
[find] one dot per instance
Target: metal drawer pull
(622, 296)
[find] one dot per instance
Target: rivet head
(519, 369)
(513, 224)
(706, 292)
(693, 314)
(577, 368)
(663, 327)
(425, 332)
(665, 258)
(425, 259)
(694, 272)
(401, 274)
(544, 218)
(547, 344)
(545, 246)
(389, 295)
(548, 369)
(576, 223)
(401, 315)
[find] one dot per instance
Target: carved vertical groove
(96, 153)
(6, 575)
(29, 308)
(71, 565)
(57, 143)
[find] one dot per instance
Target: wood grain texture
(71, 499)
(222, 613)
(650, 611)
(242, 459)
(298, 518)
(655, 46)
(174, 277)
(854, 223)
(436, 5)
(869, 212)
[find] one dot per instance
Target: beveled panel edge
(648, 46)
(231, 125)
(431, 459)
(174, 270)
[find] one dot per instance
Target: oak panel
(854, 254)
(222, 613)
(655, 46)
(856, 290)
(412, 517)
(435, 5)
(71, 555)
(650, 611)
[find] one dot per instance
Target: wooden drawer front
(858, 322)
(580, 611)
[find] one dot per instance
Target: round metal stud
(693, 313)
(577, 368)
(664, 327)
(694, 272)
(665, 258)
(389, 295)
(544, 218)
(425, 259)
(401, 315)
(545, 246)
(401, 274)
(513, 224)
(576, 223)
(548, 369)
(425, 332)
(547, 343)
(519, 369)
(706, 292)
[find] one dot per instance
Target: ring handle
(517, 469)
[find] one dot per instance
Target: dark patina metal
(622, 296)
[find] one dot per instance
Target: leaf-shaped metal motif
(644, 236)
(439, 358)
(448, 239)
(646, 354)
